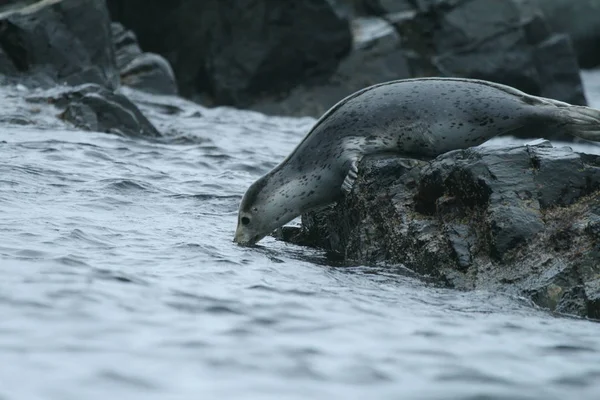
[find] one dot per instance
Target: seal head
(267, 205)
(281, 195)
(254, 221)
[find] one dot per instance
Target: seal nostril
(245, 220)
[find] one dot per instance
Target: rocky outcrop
(520, 219)
(91, 107)
(235, 51)
(67, 42)
(145, 71)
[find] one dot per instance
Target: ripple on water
(128, 379)
(72, 261)
(197, 304)
(107, 203)
(85, 237)
(127, 185)
(99, 155)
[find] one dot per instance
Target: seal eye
(245, 220)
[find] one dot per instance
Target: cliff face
(522, 219)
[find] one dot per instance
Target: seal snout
(244, 238)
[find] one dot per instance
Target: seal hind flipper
(583, 122)
(350, 178)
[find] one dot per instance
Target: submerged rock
(145, 71)
(65, 42)
(92, 107)
(521, 219)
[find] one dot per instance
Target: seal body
(421, 118)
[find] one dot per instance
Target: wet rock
(233, 52)
(92, 107)
(66, 42)
(521, 219)
(149, 72)
(581, 21)
(145, 71)
(502, 41)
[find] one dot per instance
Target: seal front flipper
(350, 177)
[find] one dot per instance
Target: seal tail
(581, 121)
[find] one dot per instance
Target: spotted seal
(421, 117)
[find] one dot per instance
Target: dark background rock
(296, 58)
(521, 219)
(145, 71)
(234, 51)
(380, 8)
(505, 41)
(376, 58)
(67, 42)
(581, 20)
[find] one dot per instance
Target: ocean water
(119, 279)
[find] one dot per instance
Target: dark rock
(66, 42)
(345, 9)
(524, 219)
(377, 57)
(558, 70)
(297, 58)
(581, 21)
(234, 52)
(507, 42)
(382, 8)
(145, 71)
(92, 107)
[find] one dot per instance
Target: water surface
(119, 279)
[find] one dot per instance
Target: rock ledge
(525, 220)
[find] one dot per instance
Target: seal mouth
(240, 240)
(246, 243)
